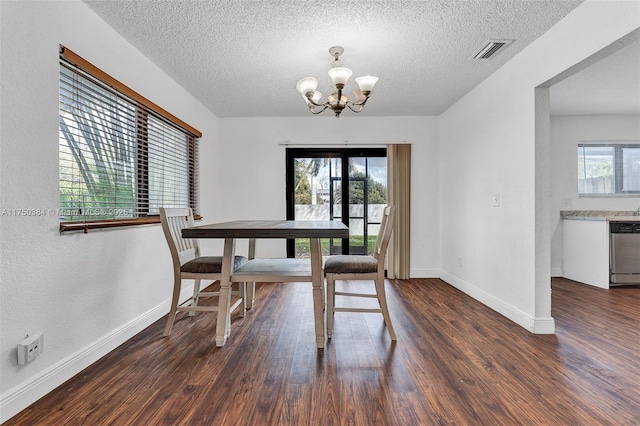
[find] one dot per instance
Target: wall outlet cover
(30, 348)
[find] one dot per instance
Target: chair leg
(242, 293)
(251, 294)
(382, 300)
(174, 305)
(331, 301)
(196, 296)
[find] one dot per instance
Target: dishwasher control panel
(625, 227)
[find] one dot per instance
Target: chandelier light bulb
(359, 96)
(316, 96)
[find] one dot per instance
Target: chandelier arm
(357, 105)
(311, 103)
(364, 101)
(313, 111)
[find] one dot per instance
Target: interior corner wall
(567, 131)
(255, 159)
(86, 292)
(488, 151)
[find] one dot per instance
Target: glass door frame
(344, 154)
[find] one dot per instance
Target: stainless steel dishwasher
(625, 253)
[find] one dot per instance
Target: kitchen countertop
(612, 216)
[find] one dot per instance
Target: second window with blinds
(120, 160)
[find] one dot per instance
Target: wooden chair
(188, 264)
(356, 267)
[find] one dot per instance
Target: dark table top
(269, 229)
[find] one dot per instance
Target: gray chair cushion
(210, 264)
(350, 264)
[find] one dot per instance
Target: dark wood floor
(456, 362)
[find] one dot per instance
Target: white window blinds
(119, 159)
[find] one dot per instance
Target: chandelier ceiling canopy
(338, 77)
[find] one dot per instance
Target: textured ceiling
(610, 86)
(244, 58)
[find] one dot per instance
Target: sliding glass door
(319, 180)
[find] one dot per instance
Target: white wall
(86, 292)
(490, 144)
(566, 133)
(254, 160)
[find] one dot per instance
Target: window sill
(115, 223)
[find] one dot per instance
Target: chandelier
(338, 76)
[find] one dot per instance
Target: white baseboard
(556, 272)
(544, 325)
(20, 397)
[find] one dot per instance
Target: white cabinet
(586, 251)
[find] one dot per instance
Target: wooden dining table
(269, 269)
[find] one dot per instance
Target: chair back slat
(384, 234)
(173, 221)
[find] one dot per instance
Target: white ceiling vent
(491, 48)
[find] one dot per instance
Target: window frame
(618, 168)
(143, 106)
